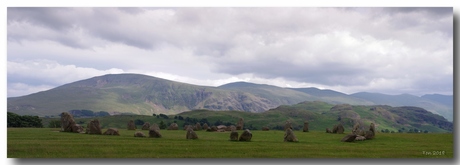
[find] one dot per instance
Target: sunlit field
(50, 143)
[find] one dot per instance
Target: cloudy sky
(385, 50)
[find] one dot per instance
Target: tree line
(15, 120)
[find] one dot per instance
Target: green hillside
(320, 115)
(410, 100)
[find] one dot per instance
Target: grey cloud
(330, 46)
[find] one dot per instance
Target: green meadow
(50, 143)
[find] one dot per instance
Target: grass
(49, 143)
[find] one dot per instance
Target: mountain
(333, 96)
(146, 95)
(134, 93)
(447, 100)
(436, 107)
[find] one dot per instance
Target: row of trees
(402, 130)
(15, 120)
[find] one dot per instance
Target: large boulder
(112, 131)
(349, 138)
(360, 138)
(287, 125)
(234, 135)
(355, 129)
(221, 128)
(154, 132)
(334, 128)
(328, 130)
(77, 128)
(265, 128)
(289, 136)
(240, 124)
(205, 126)
(338, 129)
(212, 129)
(146, 126)
(139, 134)
(230, 128)
(246, 135)
(173, 126)
(154, 126)
(371, 133)
(131, 125)
(68, 123)
(305, 126)
(191, 134)
(94, 127)
(197, 127)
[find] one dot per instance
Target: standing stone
(154, 126)
(328, 130)
(360, 138)
(265, 128)
(68, 123)
(112, 131)
(221, 128)
(146, 126)
(191, 134)
(372, 129)
(139, 134)
(349, 138)
(246, 135)
(340, 129)
(371, 133)
(289, 136)
(77, 128)
(355, 129)
(94, 127)
(173, 126)
(186, 127)
(212, 129)
(230, 128)
(197, 127)
(205, 126)
(287, 125)
(154, 132)
(335, 128)
(131, 125)
(234, 135)
(305, 126)
(240, 124)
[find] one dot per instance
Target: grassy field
(49, 143)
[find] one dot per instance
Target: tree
(15, 120)
(102, 113)
(138, 122)
(54, 124)
(162, 125)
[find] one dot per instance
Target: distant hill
(409, 100)
(447, 100)
(145, 95)
(321, 115)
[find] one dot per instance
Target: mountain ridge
(142, 94)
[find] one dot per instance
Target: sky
(390, 50)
